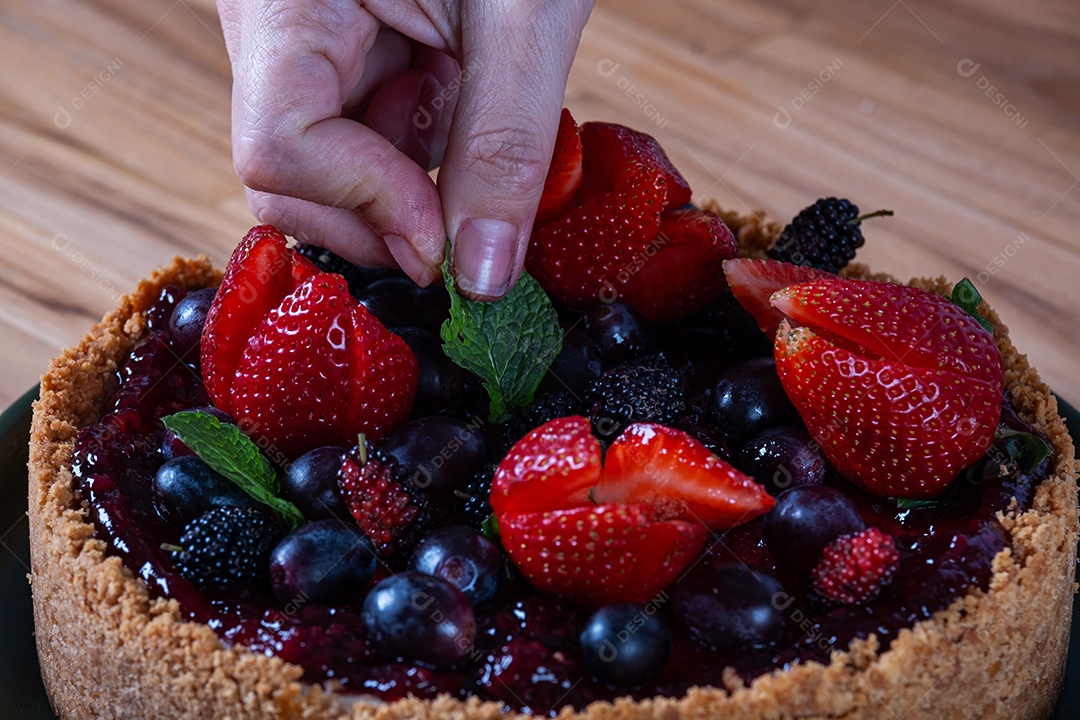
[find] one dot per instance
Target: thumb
(515, 60)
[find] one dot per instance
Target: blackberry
(476, 497)
(642, 390)
(387, 505)
(226, 546)
(824, 236)
(541, 410)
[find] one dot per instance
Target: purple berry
(578, 363)
(186, 323)
(311, 483)
(729, 607)
(186, 487)
(804, 520)
(464, 557)
(325, 561)
(441, 455)
(621, 332)
(439, 386)
(783, 457)
(419, 617)
(398, 301)
(748, 398)
(625, 645)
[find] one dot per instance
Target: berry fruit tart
(694, 465)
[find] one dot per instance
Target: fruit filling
(650, 466)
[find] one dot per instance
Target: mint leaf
(1025, 449)
(233, 454)
(917, 504)
(508, 343)
(968, 298)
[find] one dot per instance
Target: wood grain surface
(960, 116)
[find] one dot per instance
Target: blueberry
(311, 483)
(441, 454)
(398, 301)
(748, 398)
(783, 457)
(441, 380)
(186, 487)
(804, 520)
(421, 618)
(621, 332)
(464, 557)
(187, 320)
(625, 645)
(728, 607)
(325, 561)
(576, 366)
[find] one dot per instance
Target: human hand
(341, 107)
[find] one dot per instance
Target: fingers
(293, 65)
(503, 133)
(394, 113)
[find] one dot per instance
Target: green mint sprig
(508, 343)
(968, 298)
(236, 456)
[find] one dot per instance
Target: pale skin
(341, 107)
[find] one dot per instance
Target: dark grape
(311, 483)
(420, 617)
(621, 332)
(441, 380)
(728, 607)
(783, 457)
(441, 455)
(186, 487)
(324, 561)
(398, 301)
(464, 557)
(748, 398)
(186, 323)
(578, 363)
(625, 644)
(804, 520)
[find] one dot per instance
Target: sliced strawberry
(564, 172)
(685, 272)
(906, 324)
(678, 476)
(894, 429)
(319, 370)
(596, 555)
(754, 281)
(551, 468)
(261, 271)
(578, 258)
(382, 379)
(613, 153)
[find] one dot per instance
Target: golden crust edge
(96, 625)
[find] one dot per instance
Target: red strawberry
(854, 568)
(754, 281)
(564, 173)
(295, 358)
(600, 554)
(691, 247)
(658, 493)
(678, 477)
(624, 236)
(261, 271)
(613, 152)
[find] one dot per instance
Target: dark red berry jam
(527, 651)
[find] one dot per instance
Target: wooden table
(961, 116)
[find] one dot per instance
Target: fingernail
(409, 260)
(484, 252)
